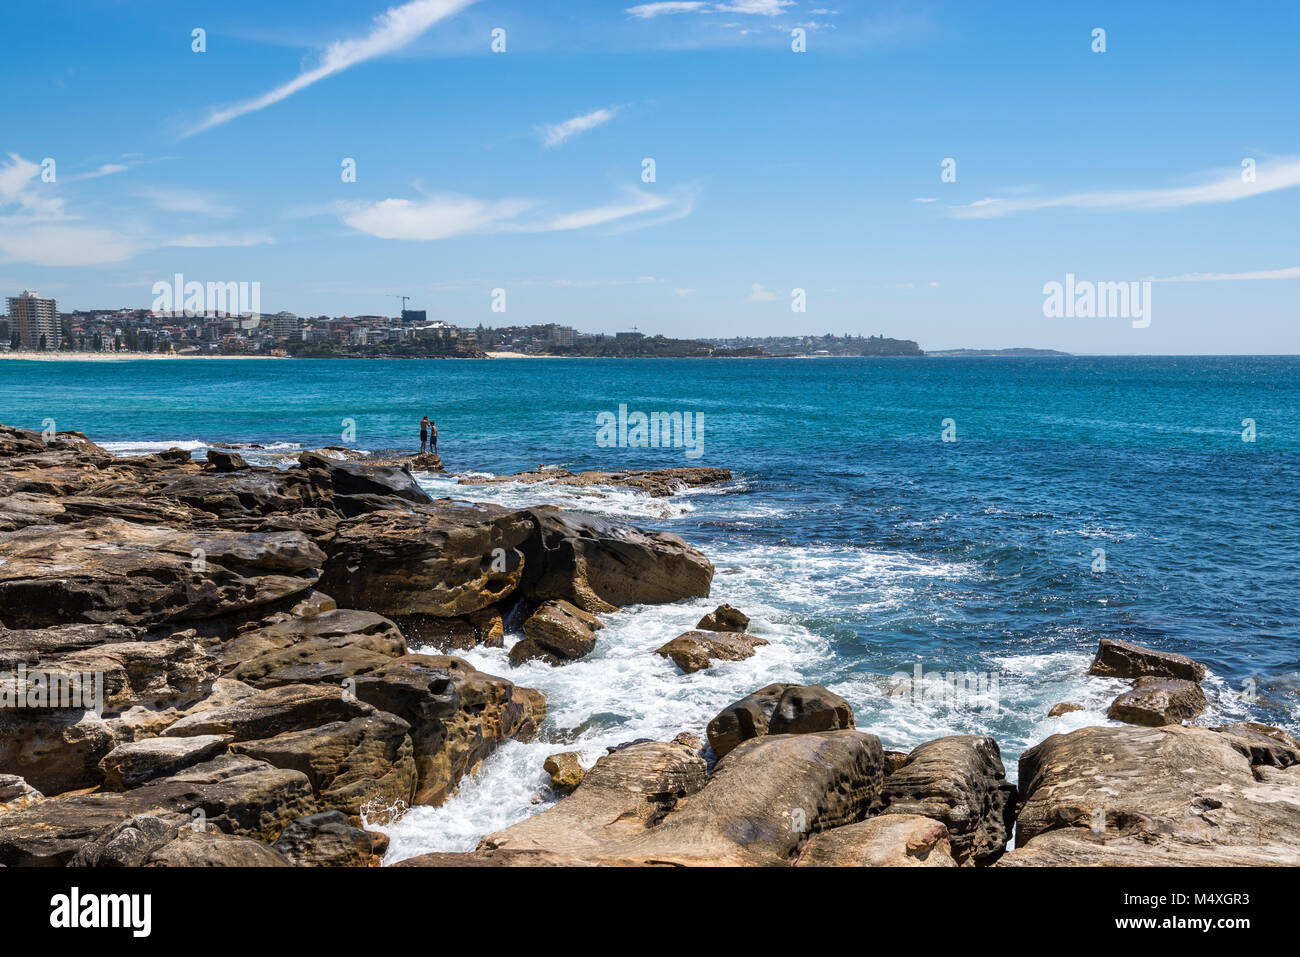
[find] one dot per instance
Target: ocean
(1080, 498)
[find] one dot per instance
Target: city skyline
(911, 172)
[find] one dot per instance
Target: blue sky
(775, 170)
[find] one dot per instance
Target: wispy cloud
(553, 134)
(36, 228)
(1290, 272)
(442, 217)
(393, 29)
(762, 8)
(186, 201)
(1282, 173)
(647, 11)
(215, 240)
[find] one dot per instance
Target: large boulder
(600, 565)
(1157, 701)
(696, 650)
(724, 618)
(891, 840)
(556, 633)
(444, 560)
(326, 839)
(273, 711)
(135, 762)
(366, 762)
(1171, 795)
(325, 648)
(652, 803)
(960, 781)
(458, 715)
(351, 478)
(114, 571)
(778, 709)
(1123, 659)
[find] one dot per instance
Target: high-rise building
(36, 319)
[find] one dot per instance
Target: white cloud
(758, 294)
(437, 218)
(1282, 173)
(763, 8)
(39, 231)
(646, 11)
(683, 293)
(553, 134)
(1290, 272)
(924, 199)
(105, 169)
(214, 240)
(393, 29)
(442, 217)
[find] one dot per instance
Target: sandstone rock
(127, 844)
(1140, 795)
(566, 771)
(458, 716)
(697, 650)
(658, 482)
(430, 633)
(557, 632)
(1063, 707)
(724, 618)
(16, 794)
(960, 781)
(225, 461)
(132, 764)
(214, 849)
(689, 740)
(599, 565)
(113, 571)
(758, 807)
(54, 750)
(778, 709)
(274, 711)
(444, 560)
(232, 794)
(325, 649)
(744, 719)
(325, 839)
(489, 625)
(350, 478)
(246, 493)
(1123, 659)
(502, 858)
(891, 840)
(364, 762)
(1157, 701)
(1263, 743)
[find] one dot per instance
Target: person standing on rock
(433, 437)
(424, 434)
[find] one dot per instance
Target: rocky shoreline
(248, 632)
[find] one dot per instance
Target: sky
(922, 170)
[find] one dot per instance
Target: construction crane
(403, 298)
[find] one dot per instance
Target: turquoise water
(863, 545)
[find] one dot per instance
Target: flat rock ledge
(657, 482)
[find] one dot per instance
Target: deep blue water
(862, 544)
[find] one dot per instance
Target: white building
(36, 319)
